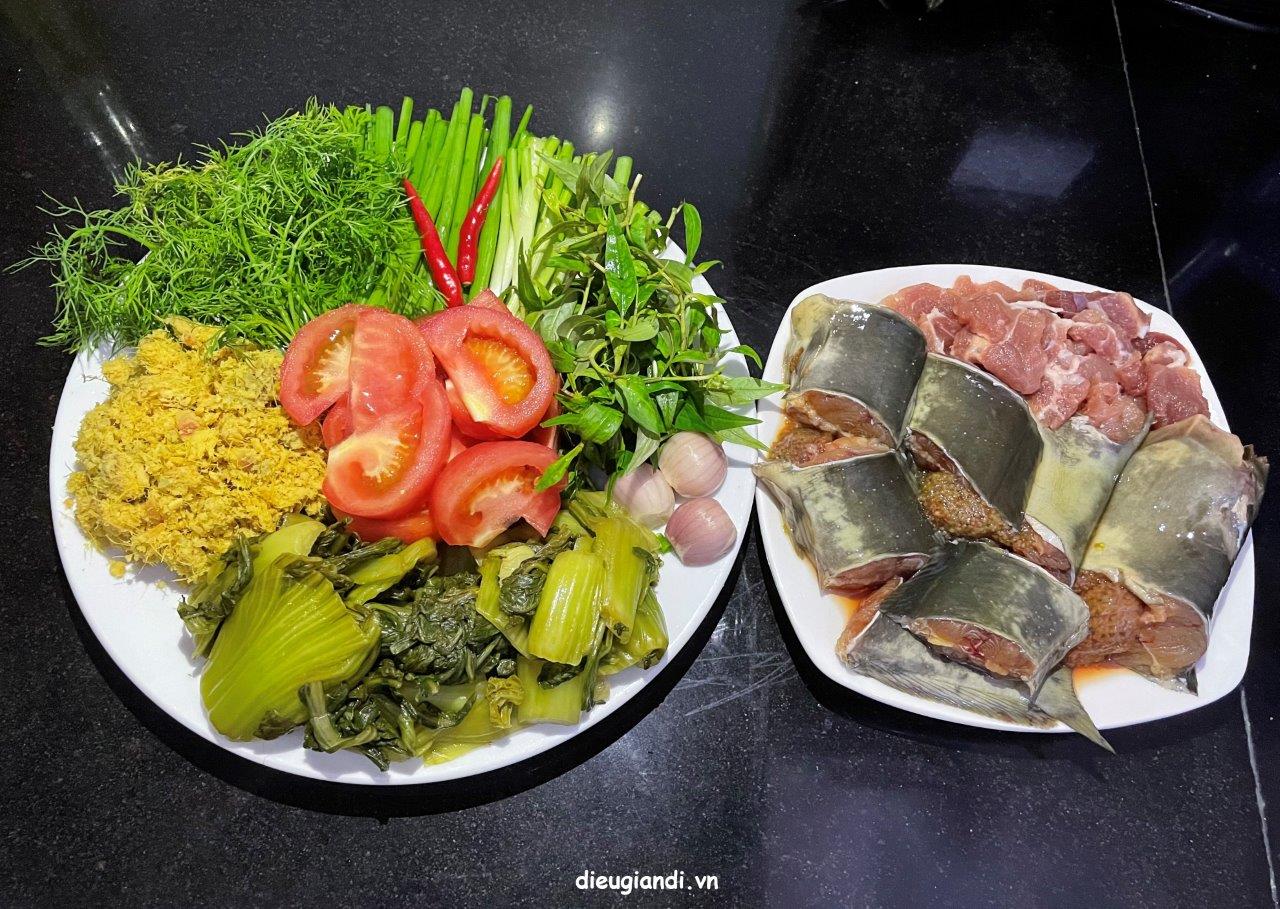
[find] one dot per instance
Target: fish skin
(837, 511)
(992, 589)
(1078, 470)
(889, 654)
(984, 427)
(1179, 514)
(861, 351)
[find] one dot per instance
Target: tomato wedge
(336, 424)
(374, 356)
(317, 366)
(546, 435)
(385, 469)
(500, 370)
(462, 422)
(489, 300)
(489, 487)
(409, 529)
(388, 361)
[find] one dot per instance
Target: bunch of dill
(256, 237)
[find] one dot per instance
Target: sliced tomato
(546, 435)
(316, 369)
(371, 355)
(489, 487)
(462, 422)
(489, 300)
(409, 529)
(336, 424)
(389, 359)
(500, 370)
(385, 469)
(458, 444)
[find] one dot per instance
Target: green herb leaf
(741, 437)
(747, 351)
(731, 390)
(646, 444)
(596, 423)
(709, 418)
(638, 405)
(692, 231)
(641, 329)
(555, 473)
(619, 269)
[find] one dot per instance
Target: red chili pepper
(437, 259)
(469, 236)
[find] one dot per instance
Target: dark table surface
(1134, 146)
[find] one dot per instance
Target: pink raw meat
(1120, 309)
(1018, 359)
(1117, 415)
(1173, 394)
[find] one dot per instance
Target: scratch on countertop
(775, 664)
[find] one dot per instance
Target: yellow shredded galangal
(190, 450)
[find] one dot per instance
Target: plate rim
(779, 549)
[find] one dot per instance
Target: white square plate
(1113, 697)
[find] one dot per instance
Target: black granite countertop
(1131, 145)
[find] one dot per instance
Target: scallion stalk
(523, 125)
(404, 123)
(499, 138)
(428, 146)
(411, 142)
(445, 172)
(383, 124)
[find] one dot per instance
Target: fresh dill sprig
(257, 237)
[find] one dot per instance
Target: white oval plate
(137, 623)
(1113, 697)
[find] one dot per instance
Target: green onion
(382, 127)
(445, 171)
(454, 208)
(499, 136)
(402, 126)
(428, 146)
(411, 143)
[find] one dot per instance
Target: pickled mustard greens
(402, 652)
(285, 632)
(272, 619)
